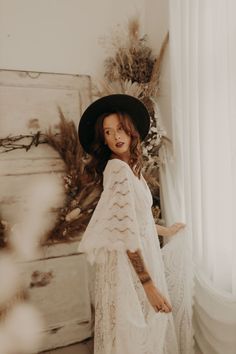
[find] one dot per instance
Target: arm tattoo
(138, 264)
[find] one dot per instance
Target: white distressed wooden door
(29, 102)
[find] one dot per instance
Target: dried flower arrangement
(81, 198)
(133, 69)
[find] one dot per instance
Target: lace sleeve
(113, 225)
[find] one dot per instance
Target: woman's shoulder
(116, 164)
(116, 168)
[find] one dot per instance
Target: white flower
(23, 328)
(9, 277)
(154, 129)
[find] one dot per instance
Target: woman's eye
(120, 128)
(107, 132)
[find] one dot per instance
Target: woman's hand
(156, 299)
(173, 229)
(170, 230)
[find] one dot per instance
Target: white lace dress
(125, 322)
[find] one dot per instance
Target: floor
(85, 347)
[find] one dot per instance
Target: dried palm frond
(119, 86)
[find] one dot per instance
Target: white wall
(59, 35)
(63, 36)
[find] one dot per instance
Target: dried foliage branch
(17, 142)
(153, 86)
(3, 231)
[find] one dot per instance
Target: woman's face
(115, 136)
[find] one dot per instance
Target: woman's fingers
(166, 309)
(179, 225)
(163, 305)
(167, 303)
(157, 300)
(163, 308)
(176, 227)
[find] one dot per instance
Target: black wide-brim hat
(111, 104)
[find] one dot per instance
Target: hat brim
(109, 104)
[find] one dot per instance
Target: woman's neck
(124, 157)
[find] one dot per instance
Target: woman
(132, 310)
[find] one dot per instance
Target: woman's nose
(117, 135)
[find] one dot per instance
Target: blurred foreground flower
(21, 331)
(21, 325)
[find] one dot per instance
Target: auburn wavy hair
(101, 153)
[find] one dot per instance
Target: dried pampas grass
(132, 58)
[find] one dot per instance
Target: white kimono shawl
(113, 225)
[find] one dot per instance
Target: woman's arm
(138, 264)
(171, 230)
(157, 300)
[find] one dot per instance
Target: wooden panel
(59, 287)
(29, 102)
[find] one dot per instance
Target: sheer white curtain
(200, 177)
